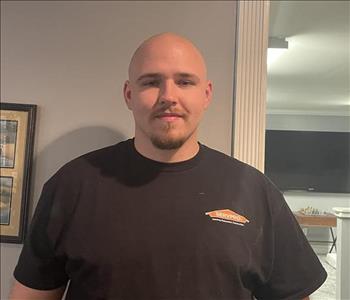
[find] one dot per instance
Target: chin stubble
(167, 143)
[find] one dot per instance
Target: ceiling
(312, 76)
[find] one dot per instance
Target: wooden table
(325, 220)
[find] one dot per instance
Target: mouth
(169, 117)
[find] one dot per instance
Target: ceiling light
(276, 48)
(278, 43)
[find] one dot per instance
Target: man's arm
(21, 292)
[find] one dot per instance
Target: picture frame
(17, 127)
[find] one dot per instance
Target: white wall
(307, 122)
(71, 57)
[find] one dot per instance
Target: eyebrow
(148, 75)
(188, 75)
(159, 75)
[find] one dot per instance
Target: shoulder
(98, 162)
(242, 177)
(230, 165)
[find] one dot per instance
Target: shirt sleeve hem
(41, 287)
(299, 295)
(310, 289)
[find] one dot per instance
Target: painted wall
(71, 58)
(308, 122)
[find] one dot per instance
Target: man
(162, 216)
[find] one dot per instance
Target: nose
(167, 93)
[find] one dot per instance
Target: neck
(188, 150)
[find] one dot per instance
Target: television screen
(315, 161)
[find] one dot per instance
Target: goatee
(166, 143)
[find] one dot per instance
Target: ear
(127, 94)
(208, 94)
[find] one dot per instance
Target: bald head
(166, 48)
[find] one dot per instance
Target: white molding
(250, 84)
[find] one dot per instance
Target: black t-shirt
(118, 225)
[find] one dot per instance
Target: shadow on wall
(67, 147)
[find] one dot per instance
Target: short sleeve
(39, 265)
(296, 270)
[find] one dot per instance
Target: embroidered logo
(227, 216)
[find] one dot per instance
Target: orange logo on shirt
(227, 216)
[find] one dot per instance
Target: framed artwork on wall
(17, 126)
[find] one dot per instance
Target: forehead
(167, 57)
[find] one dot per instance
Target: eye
(185, 82)
(150, 83)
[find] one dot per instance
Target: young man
(161, 216)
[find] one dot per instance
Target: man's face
(167, 92)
